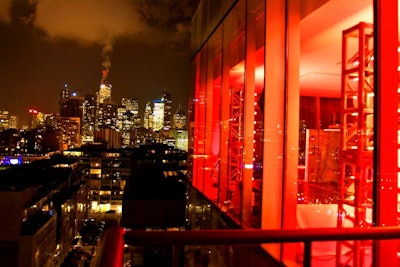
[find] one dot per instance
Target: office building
(104, 93)
(69, 121)
(107, 115)
(167, 99)
(69, 132)
(294, 120)
(45, 203)
(156, 192)
(88, 119)
(128, 120)
(4, 120)
(179, 119)
(148, 116)
(158, 114)
(13, 121)
(105, 108)
(109, 169)
(132, 109)
(70, 104)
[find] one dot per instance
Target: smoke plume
(89, 21)
(104, 21)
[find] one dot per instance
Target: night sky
(142, 44)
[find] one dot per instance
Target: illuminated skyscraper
(69, 132)
(13, 121)
(4, 120)
(179, 119)
(158, 114)
(33, 118)
(88, 119)
(148, 116)
(167, 99)
(104, 93)
(107, 115)
(128, 119)
(70, 105)
(70, 120)
(132, 107)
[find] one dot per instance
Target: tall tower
(132, 110)
(107, 115)
(71, 105)
(104, 92)
(102, 96)
(64, 97)
(158, 114)
(179, 120)
(4, 120)
(167, 99)
(148, 116)
(88, 119)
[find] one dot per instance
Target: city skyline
(176, 108)
(144, 50)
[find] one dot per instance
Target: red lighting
(34, 111)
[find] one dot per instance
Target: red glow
(34, 111)
(113, 250)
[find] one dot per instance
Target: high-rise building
(179, 119)
(167, 99)
(132, 109)
(65, 93)
(148, 116)
(70, 104)
(109, 170)
(128, 120)
(88, 119)
(72, 107)
(104, 93)
(103, 105)
(107, 115)
(125, 125)
(13, 121)
(4, 120)
(158, 114)
(69, 122)
(69, 132)
(33, 119)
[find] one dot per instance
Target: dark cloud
(100, 21)
(46, 43)
(5, 7)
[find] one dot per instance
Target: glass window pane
(336, 125)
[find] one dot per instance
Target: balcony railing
(117, 237)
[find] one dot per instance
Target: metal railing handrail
(257, 236)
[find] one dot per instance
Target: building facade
(4, 120)
(148, 116)
(88, 119)
(167, 99)
(293, 119)
(158, 114)
(46, 203)
(108, 169)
